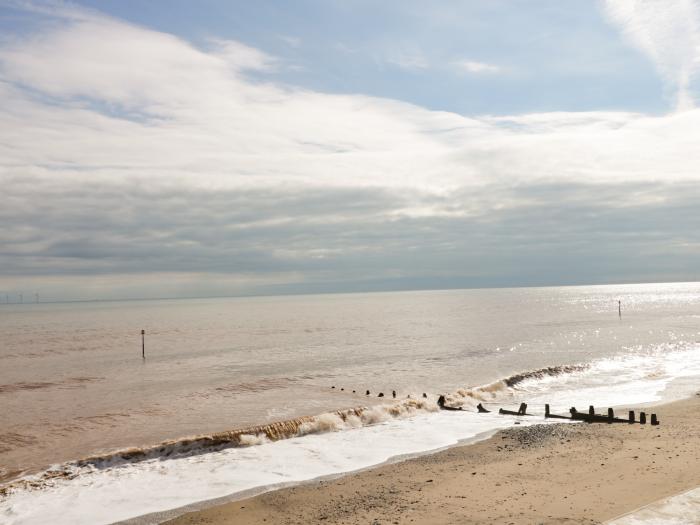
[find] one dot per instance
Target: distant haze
(219, 148)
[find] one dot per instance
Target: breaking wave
(550, 371)
(301, 426)
(256, 435)
(339, 420)
(470, 397)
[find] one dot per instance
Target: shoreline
(554, 473)
(172, 514)
(222, 436)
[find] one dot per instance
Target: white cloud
(668, 33)
(476, 68)
(242, 57)
(93, 102)
(135, 101)
(148, 102)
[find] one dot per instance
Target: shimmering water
(73, 383)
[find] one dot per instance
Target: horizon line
(330, 292)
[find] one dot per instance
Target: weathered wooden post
(393, 394)
(143, 344)
(611, 415)
(522, 409)
(548, 413)
(631, 416)
(642, 418)
(654, 421)
(367, 393)
(591, 410)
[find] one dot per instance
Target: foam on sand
(129, 490)
(126, 484)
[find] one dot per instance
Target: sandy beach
(283, 262)
(561, 473)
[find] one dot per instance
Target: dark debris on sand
(539, 435)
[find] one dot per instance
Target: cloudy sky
(177, 148)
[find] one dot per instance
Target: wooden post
(631, 416)
(393, 394)
(367, 393)
(642, 418)
(611, 415)
(591, 410)
(522, 409)
(548, 413)
(654, 421)
(143, 344)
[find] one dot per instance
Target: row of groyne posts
(575, 415)
(588, 417)
(381, 394)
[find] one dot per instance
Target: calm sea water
(73, 383)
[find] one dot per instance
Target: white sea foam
(330, 444)
(633, 379)
(105, 496)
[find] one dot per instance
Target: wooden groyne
(574, 415)
(588, 417)
(522, 411)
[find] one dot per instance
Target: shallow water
(72, 381)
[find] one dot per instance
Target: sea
(236, 396)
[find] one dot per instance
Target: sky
(183, 149)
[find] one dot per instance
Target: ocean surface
(92, 433)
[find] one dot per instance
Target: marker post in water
(143, 344)
(619, 309)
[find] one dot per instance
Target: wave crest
(550, 371)
(305, 425)
(257, 435)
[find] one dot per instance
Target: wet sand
(583, 473)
